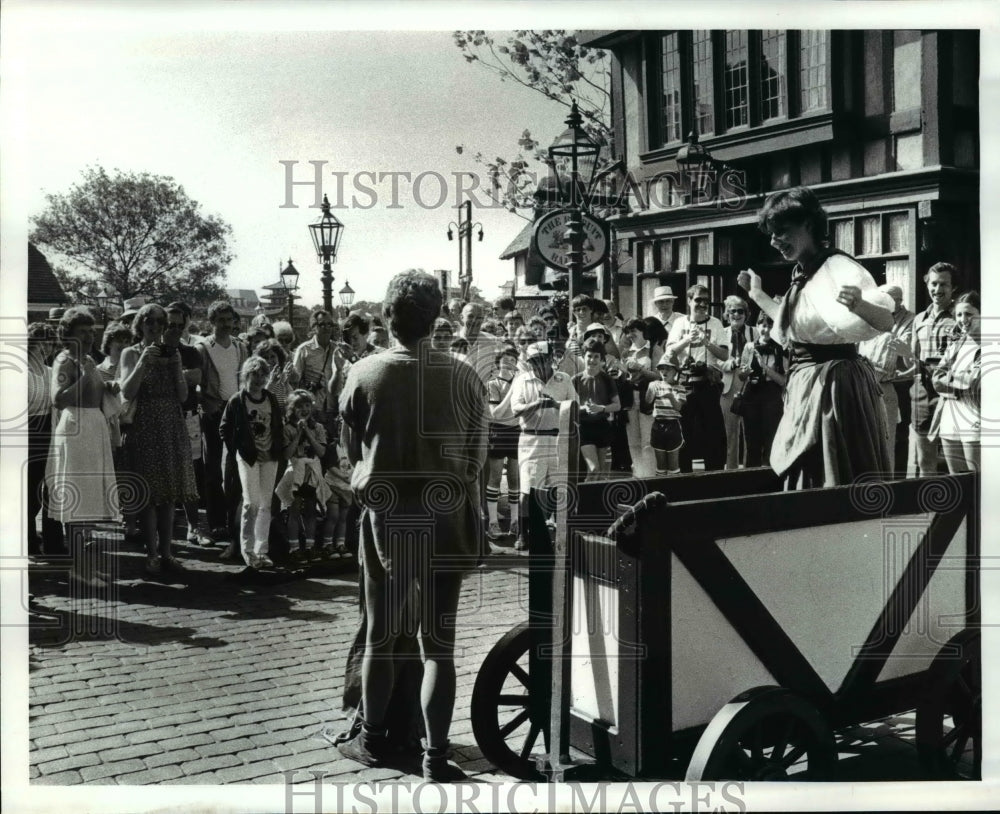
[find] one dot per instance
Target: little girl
(338, 478)
(303, 485)
(251, 430)
(666, 437)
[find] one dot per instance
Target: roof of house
(519, 244)
(42, 283)
(242, 294)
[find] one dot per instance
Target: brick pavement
(213, 680)
(210, 679)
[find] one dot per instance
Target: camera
(166, 351)
(692, 370)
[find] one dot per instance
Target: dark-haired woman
(833, 427)
(80, 473)
(762, 369)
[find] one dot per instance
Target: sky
(220, 110)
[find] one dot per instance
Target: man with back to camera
(427, 451)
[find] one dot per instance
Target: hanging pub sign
(550, 241)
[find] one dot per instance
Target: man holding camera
(320, 366)
(699, 344)
(534, 399)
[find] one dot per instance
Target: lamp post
(290, 280)
(573, 157)
(464, 228)
(102, 298)
(696, 166)
(326, 234)
(346, 297)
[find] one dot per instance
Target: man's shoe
(154, 566)
(437, 767)
(171, 563)
(369, 747)
(220, 535)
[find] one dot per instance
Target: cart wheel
(766, 733)
(501, 716)
(955, 690)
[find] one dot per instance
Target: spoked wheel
(501, 715)
(765, 734)
(955, 690)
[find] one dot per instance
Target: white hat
(536, 349)
(594, 327)
(663, 292)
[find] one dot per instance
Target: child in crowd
(303, 484)
(338, 478)
(251, 430)
(666, 437)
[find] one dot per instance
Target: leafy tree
(138, 234)
(554, 64)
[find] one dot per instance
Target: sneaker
(171, 563)
(263, 561)
(313, 554)
(369, 748)
(520, 544)
(199, 539)
(342, 551)
(296, 558)
(513, 528)
(325, 552)
(438, 768)
(493, 532)
(154, 566)
(220, 535)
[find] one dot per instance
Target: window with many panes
(737, 78)
(812, 70)
(773, 70)
(671, 88)
(714, 81)
(703, 94)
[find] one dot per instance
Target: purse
(739, 405)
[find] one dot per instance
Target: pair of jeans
(257, 481)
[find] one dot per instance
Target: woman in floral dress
(157, 446)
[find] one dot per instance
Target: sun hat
(663, 292)
(594, 327)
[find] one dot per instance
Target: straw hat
(663, 292)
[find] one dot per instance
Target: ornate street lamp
(290, 280)
(346, 297)
(464, 228)
(697, 168)
(326, 234)
(573, 159)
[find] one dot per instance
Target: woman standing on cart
(833, 427)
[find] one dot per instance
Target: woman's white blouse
(819, 319)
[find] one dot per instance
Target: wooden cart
(712, 626)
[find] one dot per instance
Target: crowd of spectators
(242, 427)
